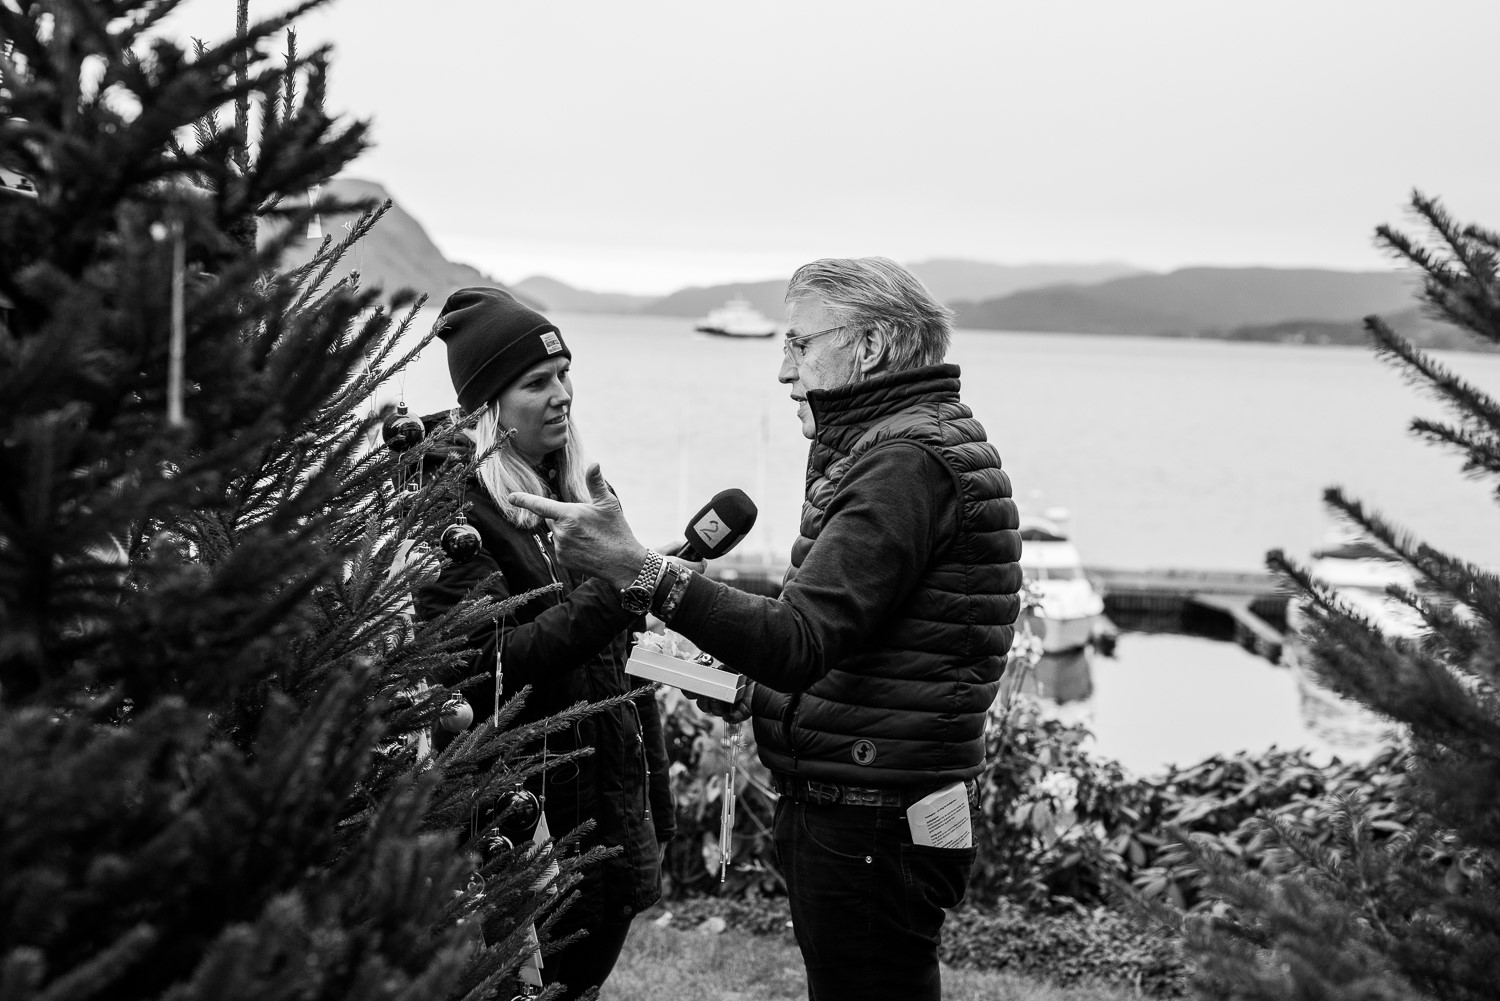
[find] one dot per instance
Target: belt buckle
(823, 792)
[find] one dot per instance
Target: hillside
(1411, 323)
(563, 298)
(947, 278)
(1195, 301)
(955, 280)
(765, 296)
(396, 254)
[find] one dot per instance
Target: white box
(690, 676)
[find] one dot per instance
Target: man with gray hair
(873, 670)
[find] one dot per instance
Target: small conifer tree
(212, 695)
(1387, 910)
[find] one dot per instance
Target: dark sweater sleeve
(893, 508)
(559, 638)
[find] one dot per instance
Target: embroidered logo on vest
(863, 752)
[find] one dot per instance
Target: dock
(1248, 608)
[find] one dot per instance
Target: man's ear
(872, 351)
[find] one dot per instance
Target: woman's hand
(670, 551)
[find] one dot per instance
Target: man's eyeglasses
(798, 339)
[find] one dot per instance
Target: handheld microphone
(719, 527)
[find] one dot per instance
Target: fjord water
(1167, 453)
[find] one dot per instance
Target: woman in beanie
(571, 645)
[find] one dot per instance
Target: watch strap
(636, 597)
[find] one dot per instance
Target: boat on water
(1359, 573)
(736, 318)
(1071, 615)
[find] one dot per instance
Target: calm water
(1167, 453)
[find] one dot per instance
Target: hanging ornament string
(315, 221)
(726, 815)
(177, 346)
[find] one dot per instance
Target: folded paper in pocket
(688, 675)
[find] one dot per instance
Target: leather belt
(830, 793)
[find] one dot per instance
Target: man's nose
(788, 371)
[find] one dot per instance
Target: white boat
(1359, 574)
(1072, 612)
(736, 318)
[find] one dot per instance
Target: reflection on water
(1170, 699)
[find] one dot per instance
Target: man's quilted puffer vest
(906, 708)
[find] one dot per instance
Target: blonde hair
(504, 472)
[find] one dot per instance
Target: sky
(644, 146)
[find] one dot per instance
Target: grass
(676, 964)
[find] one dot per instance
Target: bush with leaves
(1062, 826)
(698, 749)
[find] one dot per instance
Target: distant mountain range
(396, 254)
(1194, 301)
(948, 279)
(1293, 305)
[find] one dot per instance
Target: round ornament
(402, 430)
(518, 810)
(499, 843)
(457, 715)
(460, 541)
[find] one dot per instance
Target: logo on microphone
(711, 528)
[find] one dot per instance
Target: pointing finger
(545, 507)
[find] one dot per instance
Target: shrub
(1061, 825)
(1070, 947)
(699, 755)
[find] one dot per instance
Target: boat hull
(1063, 634)
(722, 332)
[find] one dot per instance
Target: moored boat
(1071, 615)
(1359, 573)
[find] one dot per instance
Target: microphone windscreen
(720, 525)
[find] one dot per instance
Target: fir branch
(1481, 449)
(1477, 409)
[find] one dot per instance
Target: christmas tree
(213, 698)
(1407, 906)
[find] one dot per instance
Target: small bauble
(460, 541)
(410, 494)
(517, 810)
(401, 430)
(457, 715)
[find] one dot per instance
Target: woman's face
(537, 406)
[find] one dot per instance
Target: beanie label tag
(551, 342)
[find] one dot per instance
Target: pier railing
(1248, 608)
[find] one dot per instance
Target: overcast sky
(641, 146)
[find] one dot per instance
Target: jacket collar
(842, 414)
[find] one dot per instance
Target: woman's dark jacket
(570, 647)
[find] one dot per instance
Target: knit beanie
(492, 340)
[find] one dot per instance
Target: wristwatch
(636, 598)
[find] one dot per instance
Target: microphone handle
(688, 554)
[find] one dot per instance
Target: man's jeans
(867, 904)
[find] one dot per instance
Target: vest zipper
(546, 557)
